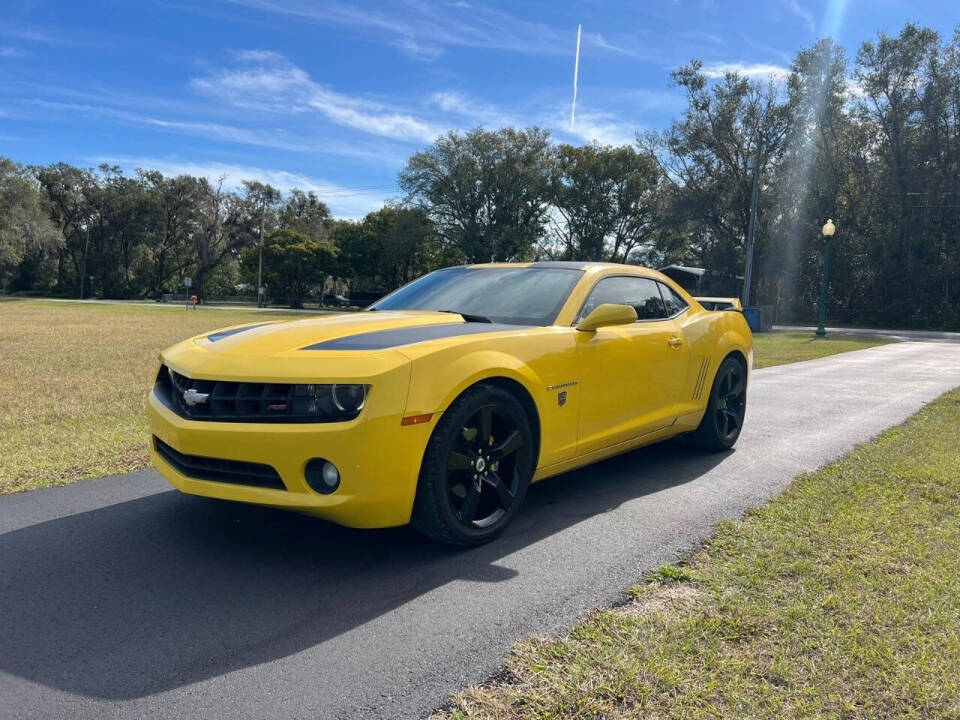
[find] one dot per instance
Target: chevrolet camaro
(441, 403)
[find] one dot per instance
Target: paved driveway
(122, 598)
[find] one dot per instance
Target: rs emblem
(562, 398)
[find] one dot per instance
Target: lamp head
(829, 229)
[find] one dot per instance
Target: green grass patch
(669, 574)
(779, 348)
(838, 599)
(74, 380)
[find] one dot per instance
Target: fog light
(322, 475)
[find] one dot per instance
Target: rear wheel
(723, 420)
(476, 469)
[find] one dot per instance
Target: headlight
(330, 402)
(349, 398)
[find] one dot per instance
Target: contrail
(576, 70)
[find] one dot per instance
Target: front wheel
(476, 469)
(721, 424)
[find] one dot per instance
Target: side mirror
(607, 314)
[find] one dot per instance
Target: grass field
(839, 599)
(73, 378)
(779, 348)
(73, 381)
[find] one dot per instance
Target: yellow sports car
(441, 403)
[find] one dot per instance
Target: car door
(631, 376)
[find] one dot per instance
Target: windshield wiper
(468, 317)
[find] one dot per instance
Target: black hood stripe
(227, 333)
(382, 339)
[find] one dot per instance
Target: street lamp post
(828, 230)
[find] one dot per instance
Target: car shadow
(159, 592)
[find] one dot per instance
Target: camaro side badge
(562, 395)
(191, 397)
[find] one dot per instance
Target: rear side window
(672, 300)
(639, 293)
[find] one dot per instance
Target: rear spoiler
(720, 303)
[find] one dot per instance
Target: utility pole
(263, 212)
(752, 225)
(83, 270)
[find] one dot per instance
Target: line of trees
(873, 143)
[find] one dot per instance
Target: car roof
(566, 264)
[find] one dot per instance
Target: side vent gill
(701, 377)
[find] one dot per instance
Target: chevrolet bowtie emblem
(191, 397)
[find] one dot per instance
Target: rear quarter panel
(711, 336)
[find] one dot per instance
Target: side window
(639, 293)
(675, 304)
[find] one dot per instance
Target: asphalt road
(122, 598)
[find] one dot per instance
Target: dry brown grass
(73, 379)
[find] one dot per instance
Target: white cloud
(212, 131)
(603, 128)
(11, 52)
(801, 12)
(277, 139)
(269, 82)
(606, 128)
(344, 202)
(421, 28)
(750, 70)
(473, 112)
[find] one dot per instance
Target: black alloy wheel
(726, 408)
(476, 469)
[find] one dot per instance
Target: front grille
(234, 401)
(217, 470)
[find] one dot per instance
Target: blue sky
(334, 96)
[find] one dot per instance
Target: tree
(911, 104)
(485, 191)
(259, 208)
(293, 264)
(173, 218)
(603, 202)
(808, 186)
(388, 248)
(307, 214)
(68, 190)
(25, 225)
(706, 157)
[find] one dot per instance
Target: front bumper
(379, 461)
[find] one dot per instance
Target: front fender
(436, 381)
(539, 362)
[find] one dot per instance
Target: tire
(723, 420)
(476, 469)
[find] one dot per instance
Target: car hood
(348, 344)
(270, 339)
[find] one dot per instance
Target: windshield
(518, 296)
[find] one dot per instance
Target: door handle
(675, 342)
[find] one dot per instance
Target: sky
(334, 96)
